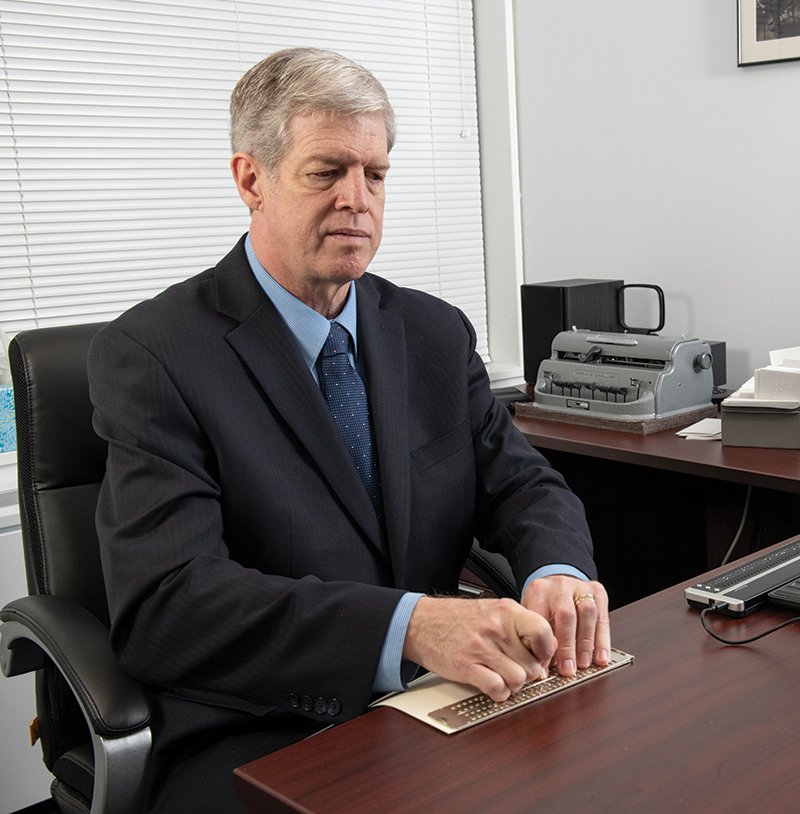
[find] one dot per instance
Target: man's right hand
(494, 644)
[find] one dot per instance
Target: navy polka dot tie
(347, 399)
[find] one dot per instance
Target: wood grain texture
(777, 469)
(691, 725)
(638, 426)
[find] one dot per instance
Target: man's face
(321, 219)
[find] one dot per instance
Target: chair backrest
(60, 465)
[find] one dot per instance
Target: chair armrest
(34, 626)
(113, 703)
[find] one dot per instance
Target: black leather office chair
(93, 717)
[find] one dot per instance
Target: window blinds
(114, 151)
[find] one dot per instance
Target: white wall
(647, 155)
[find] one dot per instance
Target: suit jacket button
(294, 700)
(307, 703)
(320, 706)
(334, 706)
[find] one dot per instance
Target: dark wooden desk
(692, 725)
(777, 469)
(662, 508)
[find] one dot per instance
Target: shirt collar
(309, 328)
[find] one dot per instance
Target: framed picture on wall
(769, 31)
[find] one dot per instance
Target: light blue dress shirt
(310, 330)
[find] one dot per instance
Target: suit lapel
(383, 345)
(266, 346)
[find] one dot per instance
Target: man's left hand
(578, 613)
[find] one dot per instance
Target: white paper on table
(709, 429)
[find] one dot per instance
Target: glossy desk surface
(769, 468)
(692, 725)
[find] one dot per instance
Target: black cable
(723, 605)
(738, 534)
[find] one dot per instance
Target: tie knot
(337, 342)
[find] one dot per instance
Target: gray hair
(298, 81)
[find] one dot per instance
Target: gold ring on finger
(582, 597)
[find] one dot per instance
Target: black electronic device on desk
(745, 588)
(786, 596)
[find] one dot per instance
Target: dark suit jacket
(245, 566)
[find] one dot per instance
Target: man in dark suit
(267, 570)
